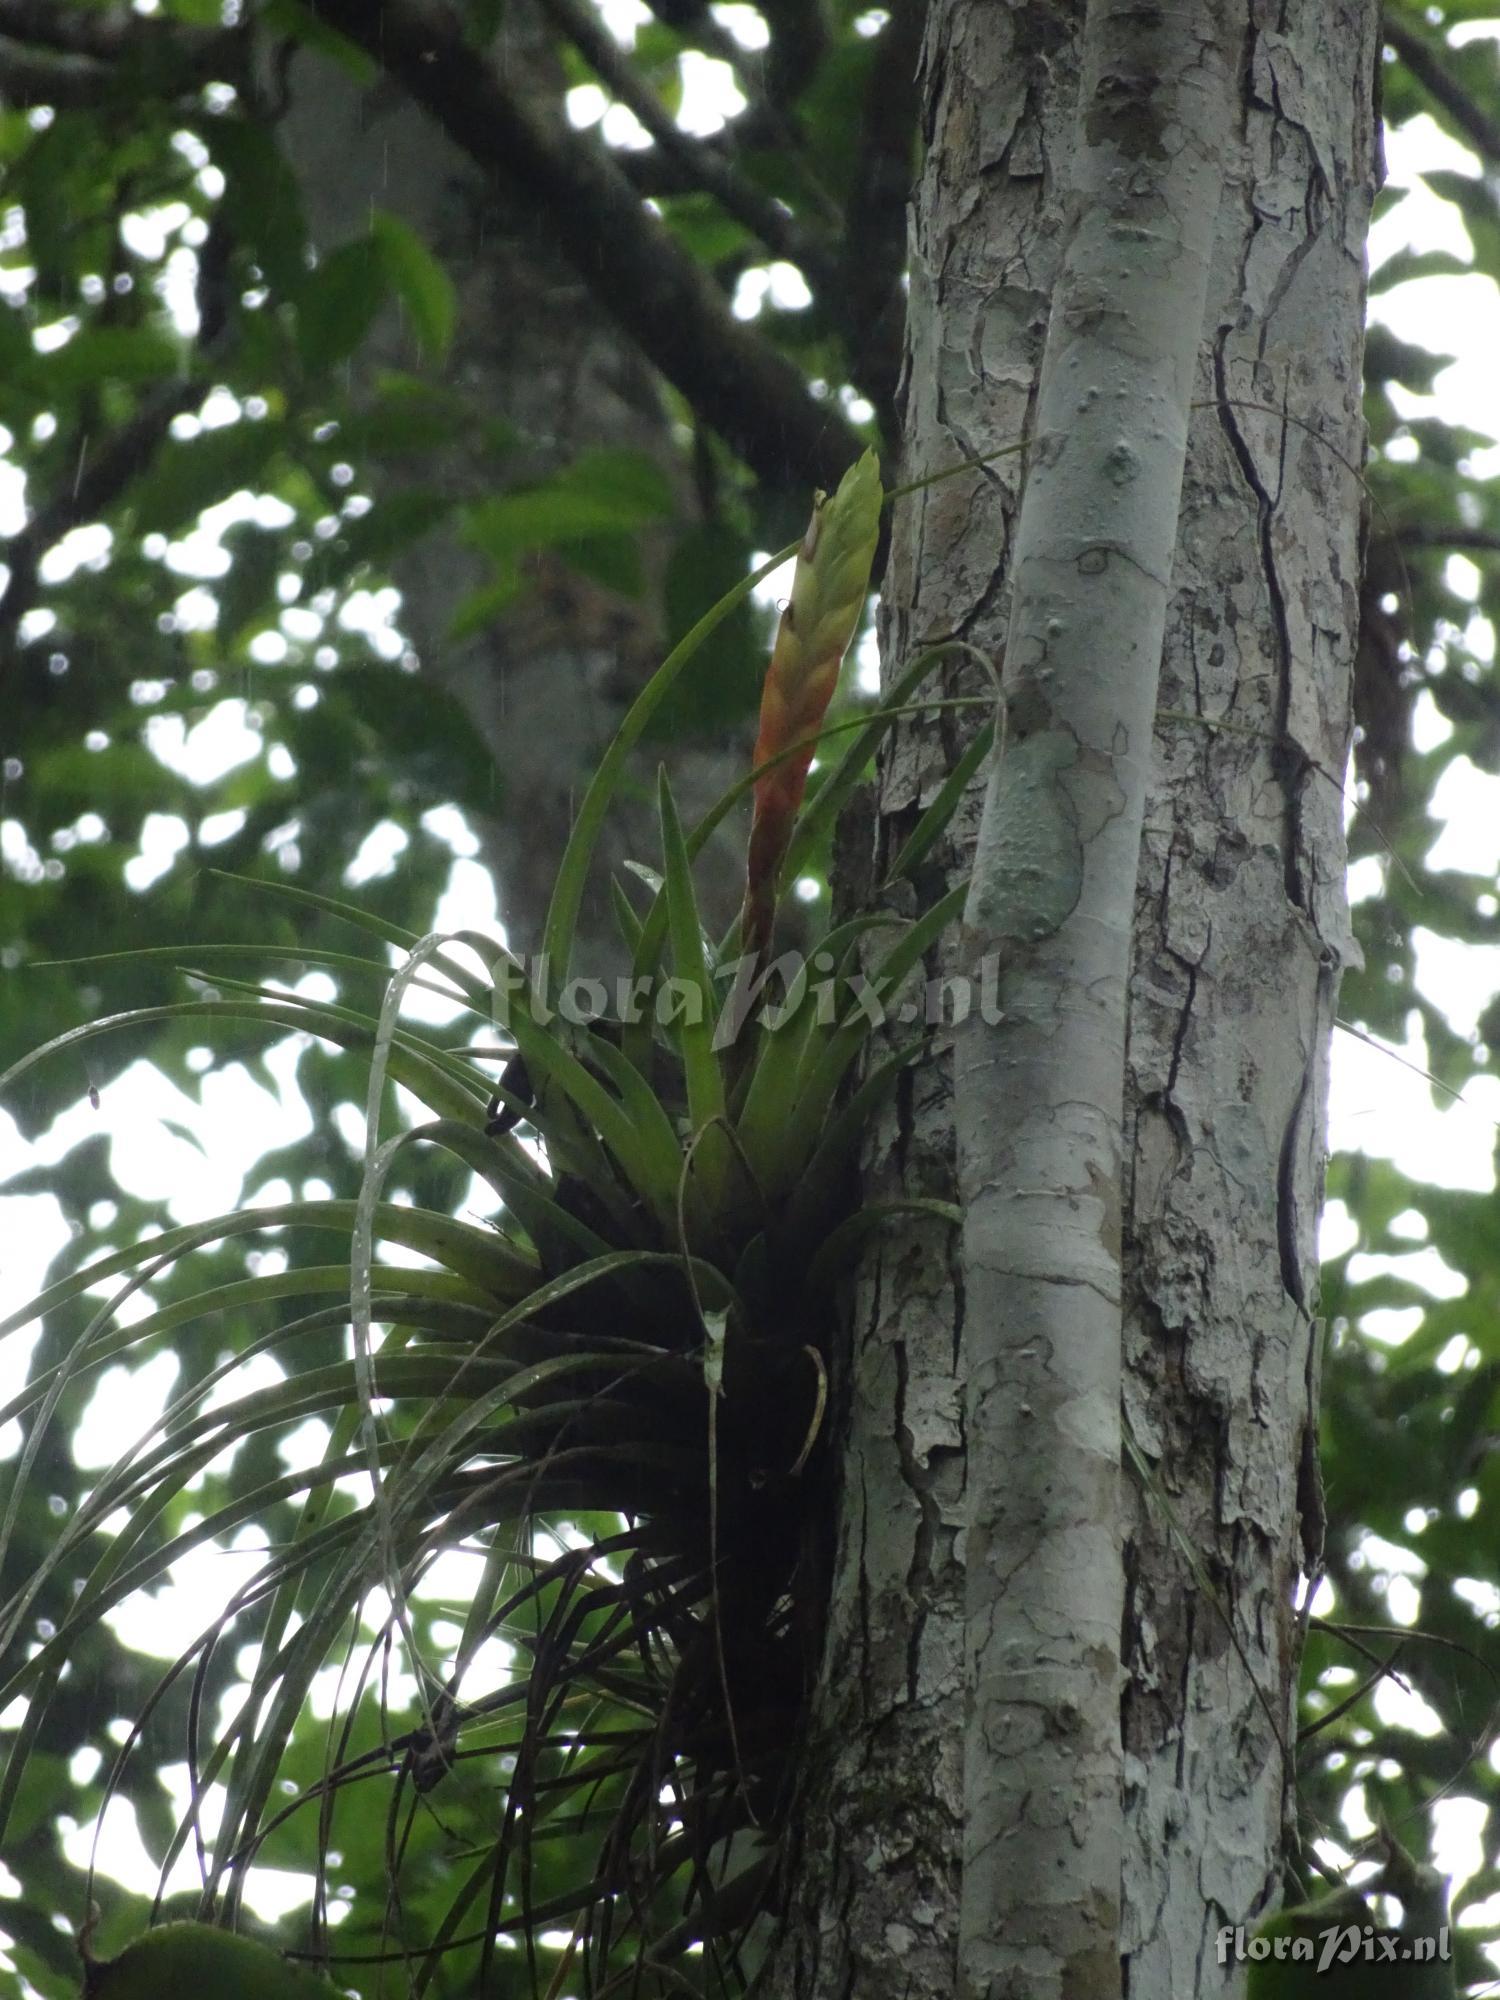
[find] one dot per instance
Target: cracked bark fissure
(1039, 1093)
(1239, 928)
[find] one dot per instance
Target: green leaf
(701, 226)
(407, 414)
(567, 893)
(105, 354)
(706, 560)
(200, 13)
(939, 814)
(845, 1243)
(644, 1109)
(647, 1169)
(247, 594)
(818, 815)
(196, 1958)
(785, 1056)
(628, 922)
(262, 201)
(189, 474)
(443, 1082)
(601, 493)
(337, 303)
(1408, 264)
(418, 280)
(700, 1060)
(302, 24)
(483, 606)
(613, 560)
(829, 1056)
(392, 526)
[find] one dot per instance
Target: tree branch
(1450, 535)
(799, 42)
(734, 379)
(72, 31)
(75, 56)
(651, 171)
(110, 35)
(1427, 66)
(704, 168)
(694, 20)
(31, 76)
(695, 23)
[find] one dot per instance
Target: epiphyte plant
(612, 1396)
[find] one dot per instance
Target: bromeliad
(613, 1394)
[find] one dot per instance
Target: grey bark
(1240, 928)
(1039, 1090)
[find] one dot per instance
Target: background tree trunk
(1241, 927)
(546, 681)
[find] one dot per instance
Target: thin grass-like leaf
(552, 1371)
(567, 895)
(443, 1083)
(639, 1154)
(788, 1052)
(844, 1244)
(700, 1061)
(288, 954)
(938, 816)
(821, 1083)
(816, 820)
(815, 1197)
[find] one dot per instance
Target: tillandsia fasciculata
(612, 1398)
(612, 1395)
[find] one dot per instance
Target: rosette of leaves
(610, 1396)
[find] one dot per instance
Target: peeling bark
(1241, 930)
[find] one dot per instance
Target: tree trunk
(546, 681)
(1039, 1089)
(1240, 928)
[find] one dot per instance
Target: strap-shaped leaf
(364, 920)
(849, 1238)
(444, 1289)
(815, 1098)
(817, 817)
(626, 921)
(788, 1055)
(814, 1197)
(939, 814)
(700, 1061)
(567, 894)
(639, 1156)
(644, 1108)
(443, 1082)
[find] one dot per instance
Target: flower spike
(829, 587)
